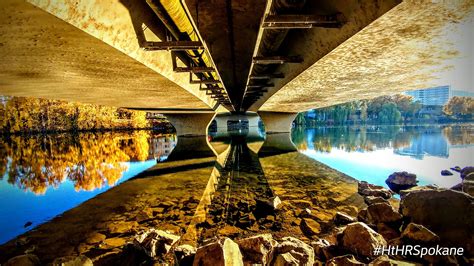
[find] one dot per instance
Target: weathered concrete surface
(277, 122)
(43, 56)
(404, 49)
(191, 124)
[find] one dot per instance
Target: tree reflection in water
(89, 160)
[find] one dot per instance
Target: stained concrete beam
(89, 52)
(413, 46)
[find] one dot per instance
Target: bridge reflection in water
(227, 188)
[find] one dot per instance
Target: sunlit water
(372, 153)
(44, 175)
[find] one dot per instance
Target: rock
(23, 260)
(405, 192)
(95, 238)
(185, 254)
(363, 216)
(121, 227)
(361, 239)
(343, 219)
(285, 259)
(303, 204)
(446, 212)
(367, 189)
(222, 252)
(469, 177)
(456, 169)
(113, 242)
(369, 200)
(387, 231)
(382, 213)
(155, 243)
(466, 186)
(346, 260)
(416, 233)
(310, 227)
(302, 252)
(466, 171)
(446, 172)
(384, 260)
(27, 224)
(401, 181)
(257, 249)
(80, 260)
(318, 247)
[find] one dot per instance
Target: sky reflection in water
(42, 176)
(372, 153)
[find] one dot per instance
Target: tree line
(30, 115)
(396, 109)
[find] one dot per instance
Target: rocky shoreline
(425, 215)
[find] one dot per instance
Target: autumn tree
(459, 106)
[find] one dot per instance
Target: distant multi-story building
(437, 96)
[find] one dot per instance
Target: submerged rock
(361, 239)
(257, 249)
(401, 181)
(416, 233)
(346, 260)
(366, 189)
(73, 261)
(302, 252)
(95, 238)
(446, 173)
(113, 242)
(446, 212)
(24, 260)
(456, 169)
(310, 227)
(222, 252)
(343, 219)
(121, 227)
(155, 242)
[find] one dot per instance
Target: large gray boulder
(448, 213)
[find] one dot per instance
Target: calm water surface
(42, 176)
(372, 153)
(45, 175)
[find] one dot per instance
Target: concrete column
(277, 143)
(190, 124)
(191, 130)
(277, 122)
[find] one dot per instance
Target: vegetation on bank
(33, 115)
(396, 109)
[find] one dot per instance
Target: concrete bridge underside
(265, 56)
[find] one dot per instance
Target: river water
(44, 176)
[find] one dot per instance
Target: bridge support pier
(277, 122)
(278, 128)
(191, 130)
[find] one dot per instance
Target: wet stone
(95, 238)
(121, 227)
(111, 243)
(23, 260)
(73, 261)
